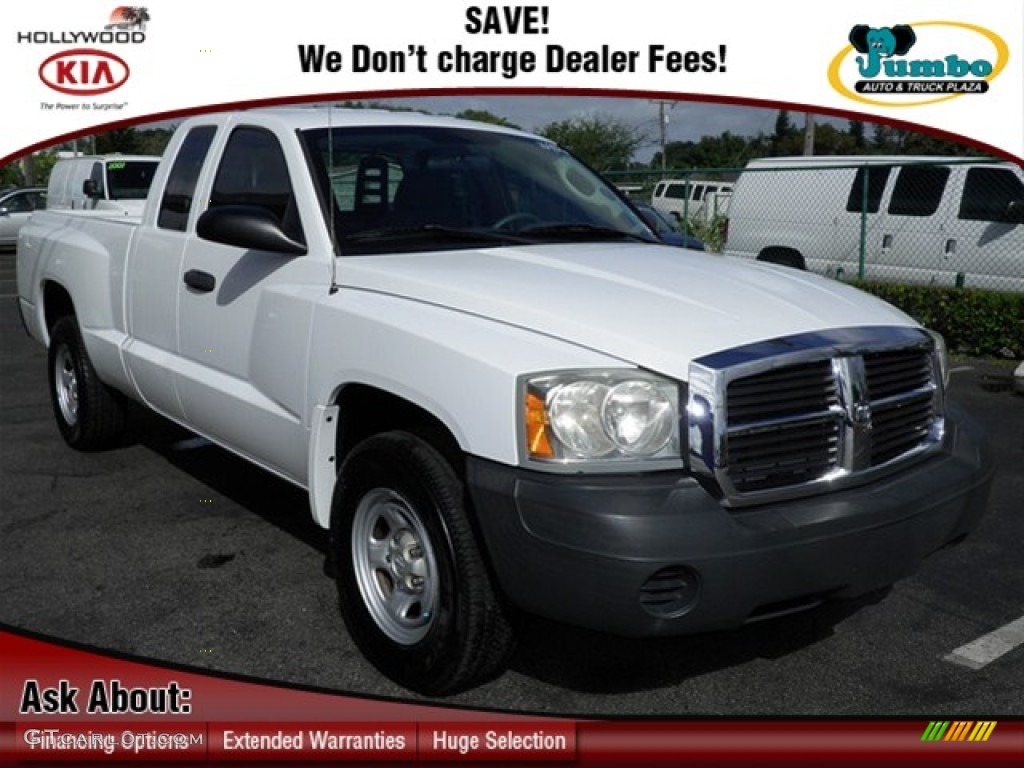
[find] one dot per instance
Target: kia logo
(84, 72)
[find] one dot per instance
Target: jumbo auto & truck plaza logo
(915, 64)
(89, 71)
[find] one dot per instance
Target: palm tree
(140, 16)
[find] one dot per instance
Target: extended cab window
(253, 171)
(918, 190)
(988, 193)
(875, 177)
(181, 182)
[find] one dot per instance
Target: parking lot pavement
(171, 549)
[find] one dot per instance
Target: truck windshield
(423, 188)
(129, 179)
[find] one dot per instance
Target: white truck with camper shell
(500, 392)
(112, 183)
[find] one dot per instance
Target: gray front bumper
(582, 549)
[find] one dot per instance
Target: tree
(856, 131)
(786, 140)
(726, 150)
(120, 140)
(483, 116)
(600, 141)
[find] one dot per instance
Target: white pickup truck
(501, 394)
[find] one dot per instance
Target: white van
(926, 220)
(94, 182)
(701, 199)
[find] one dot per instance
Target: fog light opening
(670, 592)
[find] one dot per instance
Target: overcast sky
(687, 120)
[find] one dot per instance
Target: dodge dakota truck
(501, 393)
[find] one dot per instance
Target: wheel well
(365, 411)
(787, 257)
(56, 303)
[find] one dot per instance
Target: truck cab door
(244, 313)
(153, 274)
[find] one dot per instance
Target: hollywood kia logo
(926, 62)
(89, 71)
(84, 72)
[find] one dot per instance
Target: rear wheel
(785, 257)
(415, 592)
(89, 414)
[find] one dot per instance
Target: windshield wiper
(578, 230)
(433, 231)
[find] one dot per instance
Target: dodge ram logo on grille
(860, 415)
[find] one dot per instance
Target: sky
(686, 120)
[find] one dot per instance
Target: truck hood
(653, 306)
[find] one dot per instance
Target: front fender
(459, 367)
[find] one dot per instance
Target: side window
(253, 171)
(877, 176)
(918, 190)
(988, 192)
(181, 182)
(676, 191)
(18, 203)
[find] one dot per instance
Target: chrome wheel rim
(66, 386)
(395, 566)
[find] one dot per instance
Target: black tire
(89, 414)
(396, 493)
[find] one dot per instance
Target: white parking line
(990, 647)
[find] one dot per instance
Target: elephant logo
(880, 43)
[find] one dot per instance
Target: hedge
(973, 322)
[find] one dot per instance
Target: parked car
(924, 219)
(701, 199)
(667, 229)
(16, 205)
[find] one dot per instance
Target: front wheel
(415, 592)
(89, 415)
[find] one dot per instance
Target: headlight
(614, 419)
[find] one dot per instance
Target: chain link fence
(924, 220)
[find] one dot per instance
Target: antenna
(332, 223)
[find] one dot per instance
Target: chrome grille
(810, 413)
(902, 402)
(782, 426)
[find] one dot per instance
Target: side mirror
(247, 226)
(4, 211)
(1015, 212)
(90, 188)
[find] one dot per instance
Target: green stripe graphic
(935, 730)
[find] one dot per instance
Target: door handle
(887, 241)
(200, 281)
(950, 247)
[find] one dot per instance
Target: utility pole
(808, 133)
(662, 122)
